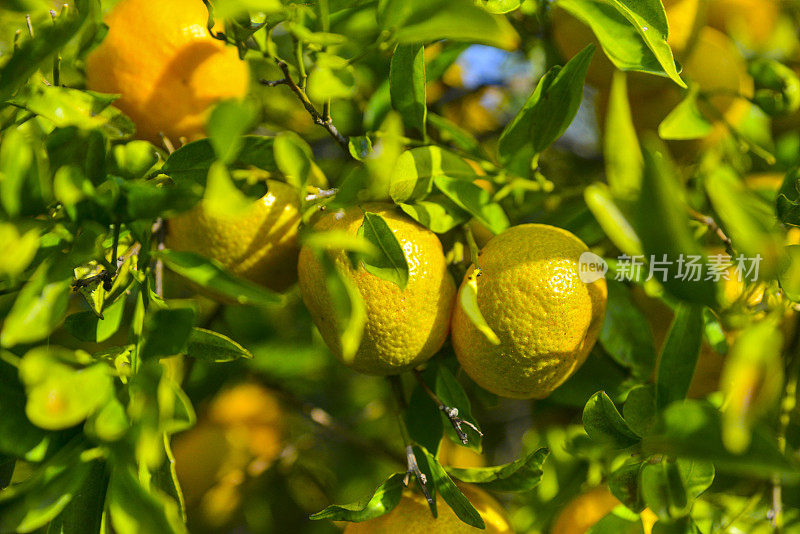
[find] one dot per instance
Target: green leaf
(84, 513)
(790, 273)
(500, 6)
(166, 332)
(448, 490)
(222, 199)
(619, 30)
(693, 429)
(87, 326)
(59, 395)
(650, 21)
(546, 115)
(604, 423)
(624, 484)
(226, 124)
(474, 200)
(697, 476)
(86, 110)
(16, 158)
(132, 509)
(679, 355)
(686, 121)
(17, 249)
(390, 262)
(420, 21)
(293, 157)
(521, 475)
(193, 160)
(662, 223)
(39, 499)
(438, 213)
(423, 419)
(449, 132)
(415, 170)
(626, 334)
(450, 392)
(211, 276)
(618, 521)
(407, 86)
(747, 218)
(663, 490)
(26, 60)
(332, 79)
(611, 219)
(383, 500)
(351, 312)
(38, 309)
(621, 150)
(640, 408)
(148, 199)
(214, 347)
(468, 300)
(18, 436)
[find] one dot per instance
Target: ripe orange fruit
(412, 516)
(168, 70)
(404, 327)
(585, 510)
(260, 245)
(530, 294)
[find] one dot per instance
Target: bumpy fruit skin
(585, 510)
(547, 319)
(412, 516)
(160, 57)
(260, 245)
(404, 328)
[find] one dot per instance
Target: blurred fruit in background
(585, 510)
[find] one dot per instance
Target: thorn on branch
(449, 411)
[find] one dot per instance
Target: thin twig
(303, 97)
(449, 411)
(411, 459)
(328, 422)
(159, 229)
(712, 225)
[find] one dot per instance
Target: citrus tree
(399, 266)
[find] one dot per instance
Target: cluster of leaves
(89, 399)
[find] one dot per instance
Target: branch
(450, 412)
(712, 225)
(325, 122)
(411, 460)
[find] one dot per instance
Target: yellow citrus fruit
(571, 35)
(453, 455)
(751, 22)
(260, 245)
(168, 70)
(531, 296)
(412, 516)
(404, 327)
(585, 510)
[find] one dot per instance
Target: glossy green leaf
(415, 170)
(621, 150)
(474, 200)
(604, 424)
(193, 160)
(468, 300)
(166, 332)
(38, 309)
(383, 500)
(389, 263)
(437, 213)
(333, 78)
(423, 419)
(351, 312)
(132, 509)
(614, 223)
(624, 484)
(633, 34)
(211, 276)
(226, 124)
(407, 86)
(420, 21)
(640, 408)
(84, 513)
(662, 223)
(790, 273)
(521, 475)
(293, 157)
(626, 335)
(214, 347)
(662, 489)
(686, 121)
(87, 326)
(679, 355)
(546, 114)
(449, 491)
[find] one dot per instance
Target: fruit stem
(450, 412)
(326, 123)
(411, 459)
